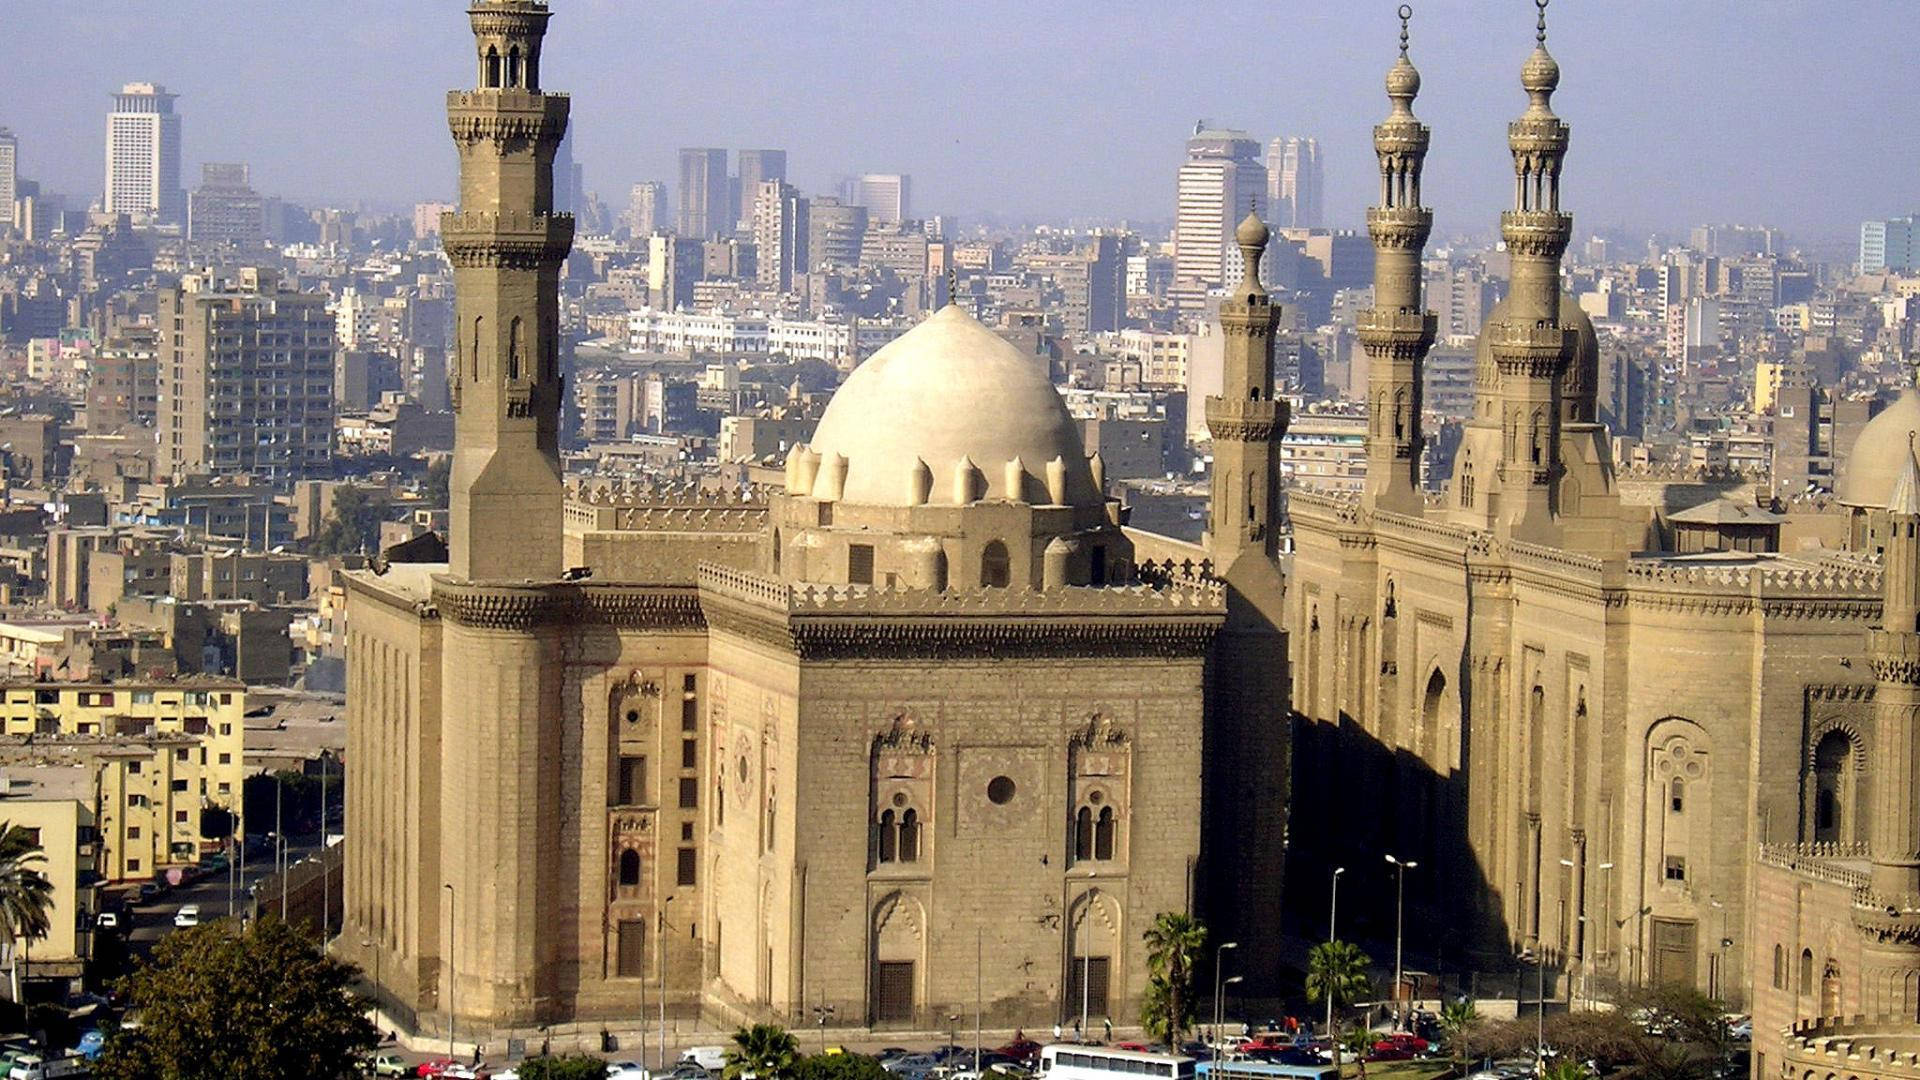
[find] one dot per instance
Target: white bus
(1070, 1061)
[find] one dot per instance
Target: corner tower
(1397, 331)
(506, 244)
(1531, 346)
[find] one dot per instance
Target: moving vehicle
(710, 1058)
(1265, 1070)
(434, 1067)
(390, 1065)
(627, 1070)
(35, 1067)
(1068, 1061)
(188, 915)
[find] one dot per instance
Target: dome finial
(1406, 14)
(1540, 32)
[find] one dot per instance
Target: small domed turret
(1541, 73)
(1252, 231)
(1403, 80)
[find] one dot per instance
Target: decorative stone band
(1401, 137)
(1540, 234)
(1246, 420)
(1894, 922)
(1399, 228)
(506, 116)
(530, 605)
(506, 241)
(510, 20)
(1894, 656)
(1396, 335)
(1532, 350)
(1532, 136)
(1258, 315)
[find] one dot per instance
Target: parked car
(710, 1058)
(910, 1063)
(627, 1070)
(685, 1070)
(390, 1065)
(35, 1067)
(1740, 1028)
(435, 1067)
(188, 915)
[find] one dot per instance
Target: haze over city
(1700, 111)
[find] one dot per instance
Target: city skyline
(1692, 97)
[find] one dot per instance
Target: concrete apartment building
(56, 806)
(246, 377)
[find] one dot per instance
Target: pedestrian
(1056, 1033)
(1108, 1021)
(1077, 1035)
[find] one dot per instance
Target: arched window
(1830, 989)
(1830, 760)
(493, 68)
(1677, 796)
(513, 66)
(939, 571)
(1103, 835)
(629, 868)
(1083, 834)
(1399, 414)
(1779, 967)
(995, 569)
(909, 836)
(1466, 480)
(514, 345)
(1806, 971)
(776, 551)
(889, 838)
(479, 321)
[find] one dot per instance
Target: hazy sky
(1801, 114)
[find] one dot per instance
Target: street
(153, 919)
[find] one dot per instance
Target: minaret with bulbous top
(506, 244)
(1531, 347)
(1245, 420)
(1397, 331)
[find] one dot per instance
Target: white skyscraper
(143, 156)
(885, 195)
(1295, 182)
(1221, 180)
(9, 176)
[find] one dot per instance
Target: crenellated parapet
(1252, 420)
(506, 121)
(527, 606)
(1856, 1047)
(506, 240)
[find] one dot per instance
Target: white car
(188, 915)
(627, 1070)
(710, 1058)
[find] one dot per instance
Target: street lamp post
(822, 1014)
(1220, 1010)
(1219, 955)
(1333, 926)
(1399, 921)
(660, 977)
(369, 945)
(451, 976)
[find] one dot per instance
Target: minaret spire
(506, 244)
(1397, 331)
(1531, 347)
(1886, 915)
(1245, 419)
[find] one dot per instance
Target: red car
(1272, 1041)
(1399, 1046)
(434, 1067)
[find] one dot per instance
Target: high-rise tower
(1398, 330)
(506, 244)
(1531, 345)
(143, 156)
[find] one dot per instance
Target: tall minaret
(1248, 737)
(1530, 346)
(1397, 331)
(1245, 420)
(506, 244)
(1889, 952)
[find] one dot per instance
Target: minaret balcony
(508, 239)
(506, 116)
(1404, 228)
(1536, 233)
(1246, 419)
(1395, 331)
(1894, 655)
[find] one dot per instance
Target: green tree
(1173, 940)
(840, 1067)
(258, 1003)
(571, 1067)
(25, 893)
(1565, 1068)
(352, 528)
(1337, 973)
(439, 473)
(1458, 1019)
(762, 1052)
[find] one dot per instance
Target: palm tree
(1457, 1019)
(1566, 1069)
(1172, 942)
(762, 1052)
(25, 893)
(1337, 973)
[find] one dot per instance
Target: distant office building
(780, 234)
(836, 232)
(674, 265)
(143, 156)
(246, 377)
(887, 197)
(426, 218)
(1890, 245)
(705, 193)
(569, 179)
(1295, 183)
(1221, 180)
(647, 208)
(225, 209)
(753, 168)
(1734, 241)
(9, 176)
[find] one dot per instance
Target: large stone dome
(946, 391)
(1583, 374)
(1879, 453)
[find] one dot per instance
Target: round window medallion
(1095, 798)
(633, 716)
(899, 798)
(1000, 790)
(743, 768)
